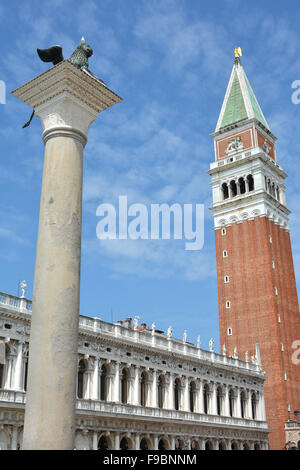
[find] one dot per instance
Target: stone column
(248, 405)
(136, 386)
(14, 438)
(109, 383)
(186, 394)
(8, 374)
(95, 381)
(117, 383)
(95, 440)
(213, 400)
(226, 402)
(18, 376)
(199, 401)
(171, 392)
(262, 406)
(67, 100)
(117, 441)
(154, 390)
(238, 409)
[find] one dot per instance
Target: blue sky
(170, 61)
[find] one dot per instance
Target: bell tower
(256, 282)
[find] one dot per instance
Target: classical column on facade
(155, 442)
(89, 376)
(18, 370)
(67, 100)
(226, 408)
(213, 399)
(262, 405)
(248, 414)
(8, 371)
(136, 399)
(186, 394)
(170, 392)
(95, 440)
(238, 408)
(117, 381)
(14, 437)
(117, 441)
(148, 386)
(95, 380)
(200, 398)
(110, 387)
(131, 385)
(154, 402)
(137, 442)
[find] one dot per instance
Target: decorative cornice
(65, 77)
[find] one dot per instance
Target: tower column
(67, 100)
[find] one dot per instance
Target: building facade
(292, 432)
(138, 388)
(256, 282)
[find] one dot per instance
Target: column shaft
(50, 406)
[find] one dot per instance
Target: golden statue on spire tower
(237, 52)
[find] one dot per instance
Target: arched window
(162, 444)
(144, 445)
(206, 398)
(253, 405)
(160, 391)
(177, 394)
(144, 378)
(250, 181)
(125, 444)
(243, 403)
(225, 191)
(273, 189)
(256, 446)
(103, 383)
(195, 445)
(103, 444)
(80, 382)
(219, 400)
(222, 446)
(234, 446)
(242, 185)
(208, 445)
(124, 386)
(231, 402)
(192, 396)
(179, 445)
(233, 188)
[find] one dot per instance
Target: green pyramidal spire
(240, 102)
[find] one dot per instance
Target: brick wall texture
(264, 308)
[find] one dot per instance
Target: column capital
(66, 99)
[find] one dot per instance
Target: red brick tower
(256, 281)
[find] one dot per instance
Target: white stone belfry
(67, 100)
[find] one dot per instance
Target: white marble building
(139, 388)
